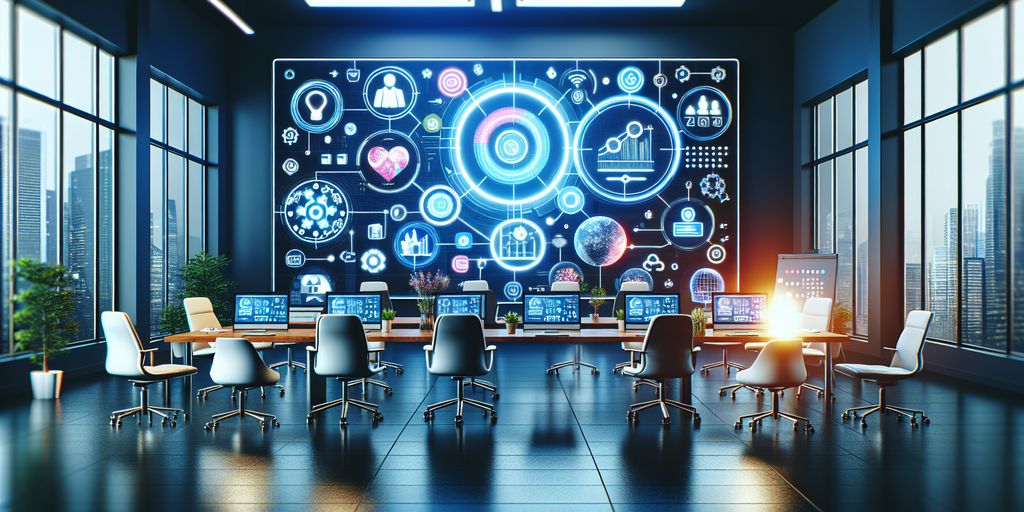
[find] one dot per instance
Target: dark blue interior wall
(914, 19)
(765, 117)
(830, 48)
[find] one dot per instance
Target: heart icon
(388, 164)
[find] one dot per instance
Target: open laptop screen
(461, 304)
(261, 311)
(739, 310)
(642, 307)
(551, 311)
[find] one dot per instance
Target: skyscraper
(79, 240)
(30, 194)
(995, 335)
(972, 324)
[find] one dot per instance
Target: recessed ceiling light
(233, 16)
(600, 3)
(391, 3)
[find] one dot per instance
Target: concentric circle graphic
(509, 146)
(315, 211)
(571, 200)
(440, 205)
(452, 82)
(317, 106)
(390, 93)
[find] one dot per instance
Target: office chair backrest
(668, 347)
(200, 315)
(236, 363)
(565, 286)
(816, 316)
(459, 346)
(629, 286)
(475, 286)
(124, 348)
(781, 362)
(910, 347)
(341, 349)
(382, 288)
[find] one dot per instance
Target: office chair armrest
(428, 351)
(428, 348)
(891, 349)
(491, 347)
(489, 350)
(310, 348)
(151, 352)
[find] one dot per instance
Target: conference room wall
(765, 124)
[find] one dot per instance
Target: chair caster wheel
(163, 423)
(428, 416)
(666, 421)
(863, 424)
(309, 420)
(378, 417)
(913, 424)
(458, 420)
(696, 420)
(277, 424)
(846, 416)
(388, 391)
(343, 423)
(281, 392)
(821, 395)
(399, 371)
(737, 425)
(263, 425)
(760, 393)
(809, 428)
(753, 428)
(495, 396)
(207, 427)
(550, 372)
(925, 420)
(595, 371)
(721, 393)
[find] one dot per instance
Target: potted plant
(596, 301)
(43, 320)
(203, 275)
(386, 317)
(427, 285)
(511, 321)
(620, 318)
(700, 322)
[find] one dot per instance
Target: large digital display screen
(552, 309)
(469, 304)
(520, 172)
(261, 309)
(641, 308)
(366, 306)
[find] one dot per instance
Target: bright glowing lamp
(783, 318)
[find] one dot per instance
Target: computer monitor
(460, 304)
(641, 307)
(739, 310)
(365, 305)
(551, 311)
(261, 311)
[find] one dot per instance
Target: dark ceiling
(699, 13)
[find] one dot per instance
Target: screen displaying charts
(261, 309)
(503, 169)
(460, 305)
(365, 306)
(739, 309)
(641, 308)
(552, 309)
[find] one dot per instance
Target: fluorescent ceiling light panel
(600, 3)
(391, 3)
(233, 16)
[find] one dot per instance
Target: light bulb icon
(316, 112)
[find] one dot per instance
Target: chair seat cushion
(634, 346)
(167, 371)
(375, 346)
(263, 345)
(755, 346)
(813, 352)
(873, 371)
(204, 352)
(760, 379)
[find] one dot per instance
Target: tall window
(57, 148)
(179, 164)
(960, 133)
(839, 166)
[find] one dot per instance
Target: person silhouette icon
(702, 106)
(389, 96)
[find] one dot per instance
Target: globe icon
(600, 241)
(703, 283)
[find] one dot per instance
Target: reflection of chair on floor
(666, 354)
(778, 366)
(907, 361)
(237, 365)
(575, 362)
(341, 352)
(459, 351)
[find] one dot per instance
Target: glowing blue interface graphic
(365, 306)
(261, 309)
(641, 308)
(552, 309)
(737, 308)
(460, 305)
(520, 172)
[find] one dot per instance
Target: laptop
(641, 307)
(552, 312)
(739, 311)
(469, 303)
(366, 305)
(261, 312)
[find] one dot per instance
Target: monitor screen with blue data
(367, 306)
(461, 304)
(261, 311)
(739, 310)
(551, 311)
(640, 308)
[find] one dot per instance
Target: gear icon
(683, 73)
(290, 135)
(712, 186)
(718, 74)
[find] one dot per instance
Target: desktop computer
(365, 305)
(461, 304)
(641, 307)
(551, 312)
(261, 312)
(739, 311)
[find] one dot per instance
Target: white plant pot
(385, 326)
(46, 385)
(622, 325)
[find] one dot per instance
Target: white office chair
(236, 364)
(576, 362)
(907, 361)
(665, 354)
(485, 288)
(341, 352)
(126, 358)
(377, 347)
(631, 347)
(200, 315)
(459, 350)
(778, 366)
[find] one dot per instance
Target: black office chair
(459, 350)
(341, 351)
(666, 354)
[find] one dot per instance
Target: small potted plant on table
(596, 301)
(43, 320)
(700, 322)
(387, 316)
(511, 321)
(427, 285)
(620, 318)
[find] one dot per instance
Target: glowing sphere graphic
(703, 283)
(315, 211)
(600, 241)
(565, 271)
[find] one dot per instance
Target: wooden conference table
(316, 386)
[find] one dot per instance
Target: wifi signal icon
(576, 77)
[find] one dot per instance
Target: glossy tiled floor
(561, 443)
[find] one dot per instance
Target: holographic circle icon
(704, 113)
(630, 80)
(315, 211)
(416, 244)
(440, 205)
(687, 223)
(390, 93)
(452, 82)
(600, 241)
(317, 106)
(571, 200)
(518, 244)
